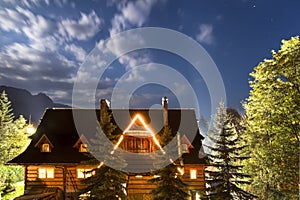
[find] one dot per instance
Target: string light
(138, 117)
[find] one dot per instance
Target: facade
(54, 162)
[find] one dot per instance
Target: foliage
(13, 142)
(273, 124)
(224, 175)
(106, 182)
(18, 190)
(168, 179)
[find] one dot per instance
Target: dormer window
(81, 144)
(184, 148)
(83, 148)
(44, 144)
(185, 144)
(45, 148)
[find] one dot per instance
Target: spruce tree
(106, 182)
(224, 176)
(168, 178)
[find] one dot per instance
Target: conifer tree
(12, 132)
(13, 142)
(224, 176)
(106, 182)
(168, 178)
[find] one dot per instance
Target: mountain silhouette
(26, 104)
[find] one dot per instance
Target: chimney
(104, 104)
(164, 102)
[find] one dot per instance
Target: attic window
(184, 148)
(45, 148)
(193, 174)
(44, 144)
(81, 144)
(83, 148)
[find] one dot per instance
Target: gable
(82, 140)
(43, 140)
(138, 128)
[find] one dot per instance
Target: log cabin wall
(71, 183)
(197, 183)
(138, 187)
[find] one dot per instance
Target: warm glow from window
(83, 148)
(46, 172)
(193, 174)
(42, 173)
(84, 173)
(45, 147)
(50, 173)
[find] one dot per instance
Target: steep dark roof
(58, 125)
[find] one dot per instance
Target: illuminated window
(45, 147)
(184, 148)
(83, 148)
(46, 173)
(193, 174)
(84, 173)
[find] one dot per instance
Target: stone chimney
(164, 102)
(104, 105)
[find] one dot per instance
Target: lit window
(42, 173)
(83, 148)
(84, 173)
(45, 147)
(50, 173)
(184, 148)
(46, 173)
(193, 174)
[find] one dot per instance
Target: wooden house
(54, 160)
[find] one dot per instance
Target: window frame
(83, 148)
(46, 173)
(184, 148)
(45, 148)
(193, 174)
(81, 173)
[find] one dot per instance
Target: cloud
(11, 20)
(38, 3)
(131, 14)
(134, 13)
(20, 59)
(137, 12)
(46, 57)
(77, 51)
(205, 34)
(85, 28)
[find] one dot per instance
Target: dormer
(44, 144)
(81, 144)
(185, 144)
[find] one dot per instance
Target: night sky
(44, 43)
